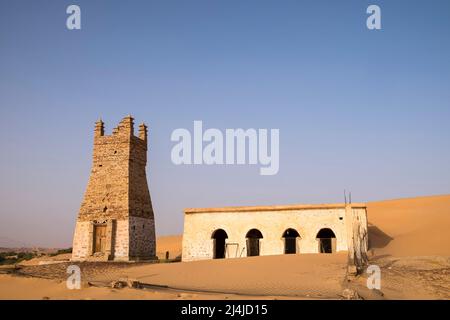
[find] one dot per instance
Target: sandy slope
(168, 243)
(288, 276)
(410, 227)
(46, 259)
(12, 287)
(308, 275)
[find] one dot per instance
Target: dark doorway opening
(253, 244)
(327, 240)
(99, 238)
(219, 237)
(290, 241)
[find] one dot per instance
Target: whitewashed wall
(199, 227)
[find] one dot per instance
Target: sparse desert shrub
(61, 251)
(25, 256)
(15, 257)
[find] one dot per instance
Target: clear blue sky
(366, 111)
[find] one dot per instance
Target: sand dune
(289, 276)
(309, 275)
(410, 227)
(12, 288)
(168, 243)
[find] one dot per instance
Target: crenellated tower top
(99, 128)
(125, 128)
(143, 131)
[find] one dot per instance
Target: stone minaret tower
(116, 221)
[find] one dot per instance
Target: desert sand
(407, 241)
(28, 288)
(302, 278)
(172, 244)
(410, 227)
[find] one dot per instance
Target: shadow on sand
(377, 238)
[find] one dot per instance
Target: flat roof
(274, 208)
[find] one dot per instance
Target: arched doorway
(219, 237)
(327, 240)
(253, 237)
(290, 241)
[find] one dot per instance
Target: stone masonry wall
(116, 192)
(81, 240)
(142, 238)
